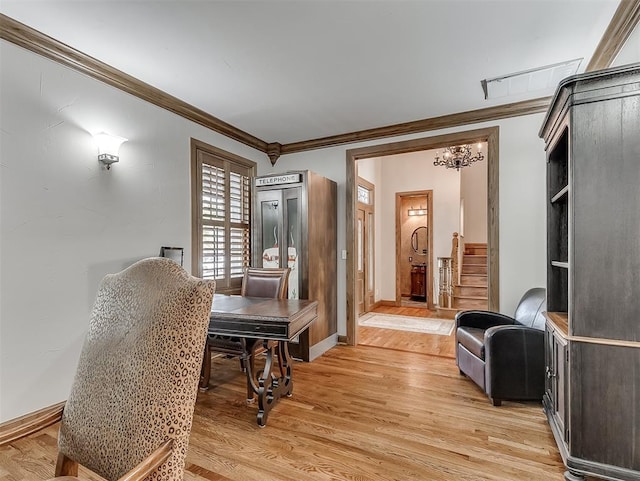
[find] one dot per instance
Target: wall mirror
(419, 241)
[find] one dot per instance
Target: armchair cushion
(473, 339)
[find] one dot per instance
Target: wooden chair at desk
(131, 404)
(256, 282)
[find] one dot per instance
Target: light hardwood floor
(357, 414)
(404, 340)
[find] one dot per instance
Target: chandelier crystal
(458, 156)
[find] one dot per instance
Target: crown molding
(41, 44)
(622, 23)
(517, 109)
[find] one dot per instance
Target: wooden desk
(274, 322)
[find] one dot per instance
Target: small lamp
(108, 147)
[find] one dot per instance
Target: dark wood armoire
(592, 398)
(294, 225)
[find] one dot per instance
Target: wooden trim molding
(622, 23)
(15, 429)
(387, 303)
(41, 44)
(517, 109)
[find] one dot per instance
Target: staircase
(472, 293)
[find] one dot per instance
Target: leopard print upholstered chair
(132, 400)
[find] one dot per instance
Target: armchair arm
(514, 357)
(150, 463)
(483, 319)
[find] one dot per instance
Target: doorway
(491, 137)
(365, 246)
(414, 248)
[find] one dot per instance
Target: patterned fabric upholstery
(138, 372)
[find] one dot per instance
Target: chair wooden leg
(66, 466)
(205, 372)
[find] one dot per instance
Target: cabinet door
(561, 398)
(269, 229)
(559, 382)
(556, 379)
(549, 355)
(292, 241)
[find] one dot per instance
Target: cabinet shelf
(561, 195)
(564, 265)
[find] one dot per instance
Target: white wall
(522, 204)
(66, 221)
(473, 193)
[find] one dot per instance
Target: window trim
(196, 200)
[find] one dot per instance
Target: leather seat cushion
(473, 339)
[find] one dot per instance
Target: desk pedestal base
(268, 386)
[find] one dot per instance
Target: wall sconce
(419, 211)
(108, 147)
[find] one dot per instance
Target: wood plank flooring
(357, 414)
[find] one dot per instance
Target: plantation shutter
(224, 215)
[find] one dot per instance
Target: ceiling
(288, 71)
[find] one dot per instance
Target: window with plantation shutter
(221, 215)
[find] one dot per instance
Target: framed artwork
(174, 253)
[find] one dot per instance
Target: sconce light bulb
(108, 147)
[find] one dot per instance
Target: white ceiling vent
(535, 79)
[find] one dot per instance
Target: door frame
(490, 135)
(399, 197)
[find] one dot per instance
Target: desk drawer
(255, 330)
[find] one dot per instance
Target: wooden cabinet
(419, 282)
(294, 225)
(592, 398)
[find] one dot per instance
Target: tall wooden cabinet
(294, 225)
(592, 398)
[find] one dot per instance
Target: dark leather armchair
(504, 355)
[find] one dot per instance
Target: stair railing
(455, 260)
(445, 289)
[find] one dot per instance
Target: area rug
(426, 325)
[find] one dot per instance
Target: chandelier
(458, 156)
